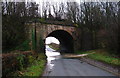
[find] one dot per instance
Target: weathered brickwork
(43, 30)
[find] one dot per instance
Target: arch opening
(52, 43)
(65, 39)
(50, 40)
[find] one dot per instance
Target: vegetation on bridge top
(62, 22)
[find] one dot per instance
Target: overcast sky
(51, 40)
(60, 0)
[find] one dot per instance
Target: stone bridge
(68, 36)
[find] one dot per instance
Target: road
(58, 66)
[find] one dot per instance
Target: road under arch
(65, 39)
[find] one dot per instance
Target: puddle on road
(51, 56)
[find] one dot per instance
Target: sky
(51, 40)
(60, 0)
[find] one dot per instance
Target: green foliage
(102, 55)
(24, 46)
(76, 25)
(26, 65)
(54, 46)
(106, 59)
(31, 59)
(41, 56)
(35, 68)
(42, 20)
(21, 62)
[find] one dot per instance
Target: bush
(24, 46)
(14, 61)
(42, 20)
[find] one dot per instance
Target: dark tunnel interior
(65, 39)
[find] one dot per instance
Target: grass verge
(53, 47)
(35, 69)
(103, 56)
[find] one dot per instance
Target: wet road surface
(58, 66)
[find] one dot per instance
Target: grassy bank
(102, 55)
(35, 69)
(54, 46)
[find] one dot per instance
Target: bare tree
(72, 10)
(45, 9)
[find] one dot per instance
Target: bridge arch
(65, 38)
